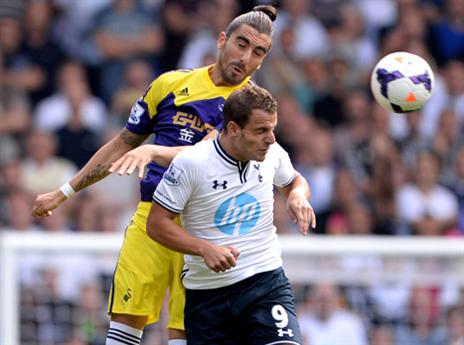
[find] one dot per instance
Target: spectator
(455, 183)
(297, 14)
(447, 141)
(281, 73)
(325, 321)
(180, 18)
(424, 206)
(412, 143)
(454, 326)
(316, 82)
(123, 31)
(381, 335)
(89, 324)
(420, 327)
(19, 71)
(200, 48)
(352, 141)
(448, 32)
(387, 173)
(315, 160)
(448, 94)
(41, 170)
(330, 108)
(57, 222)
(72, 90)
(39, 47)
(345, 191)
(72, 23)
(377, 14)
(294, 125)
(14, 120)
(137, 75)
(360, 220)
(348, 38)
(17, 205)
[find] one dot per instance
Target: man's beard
(228, 77)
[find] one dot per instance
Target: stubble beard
(228, 77)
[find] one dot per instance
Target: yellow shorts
(144, 272)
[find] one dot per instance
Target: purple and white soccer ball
(402, 82)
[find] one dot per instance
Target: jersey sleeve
(144, 110)
(177, 184)
(284, 173)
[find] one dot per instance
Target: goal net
(53, 287)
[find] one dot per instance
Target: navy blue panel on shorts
(259, 310)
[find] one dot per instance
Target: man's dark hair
(240, 104)
(260, 18)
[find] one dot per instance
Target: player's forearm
(97, 167)
(163, 155)
(164, 231)
(299, 186)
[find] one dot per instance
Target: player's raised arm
(96, 169)
(140, 157)
(298, 206)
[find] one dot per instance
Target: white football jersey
(228, 203)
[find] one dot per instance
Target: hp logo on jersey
(237, 215)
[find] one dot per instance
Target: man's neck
(229, 147)
(216, 76)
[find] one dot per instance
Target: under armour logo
(216, 184)
(288, 332)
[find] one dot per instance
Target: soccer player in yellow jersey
(181, 108)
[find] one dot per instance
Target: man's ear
(221, 40)
(233, 128)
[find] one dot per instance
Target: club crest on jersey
(172, 175)
(136, 113)
(260, 177)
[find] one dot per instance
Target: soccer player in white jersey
(236, 290)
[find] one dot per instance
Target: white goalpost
(340, 259)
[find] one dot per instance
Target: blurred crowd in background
(70, 72)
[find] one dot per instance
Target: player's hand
(137, 158)
(220, 259)
(45, 203)
(301, 213)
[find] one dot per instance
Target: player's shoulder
(276, 150)
(174, 76)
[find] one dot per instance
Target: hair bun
(269, 10)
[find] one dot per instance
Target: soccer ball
(402, 82)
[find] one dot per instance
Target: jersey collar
(242, 167)
(224, 155)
